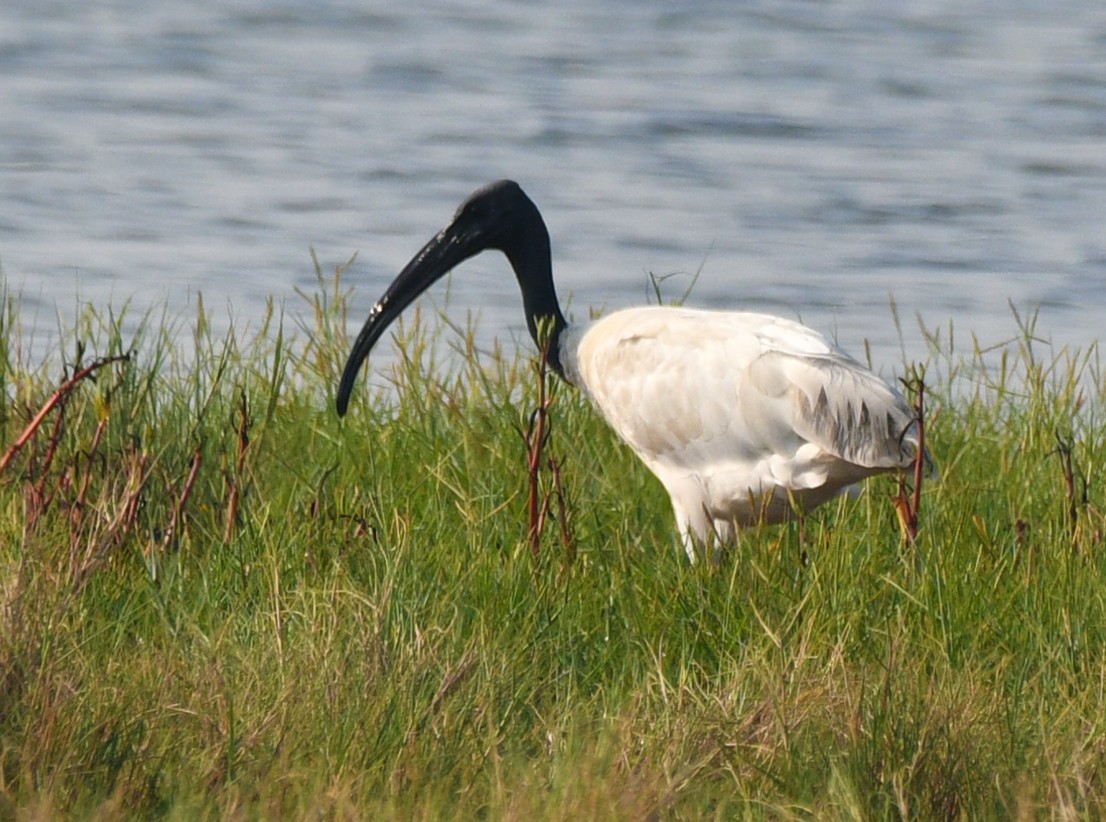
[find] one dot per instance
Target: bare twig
(39, 499)
(135, 496)
(534, 440)
(86, 556)
(82, 493)
(59, 396)
(43, 499)
(920, 456)
(536, 437)
(568, 539)
(186, 492)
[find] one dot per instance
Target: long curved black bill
(498, 216)
(436, 258)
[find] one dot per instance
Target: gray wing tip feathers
(853, 428)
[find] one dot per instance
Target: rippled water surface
(806, 158)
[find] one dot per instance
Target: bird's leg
(798, 510)
(690, 546)
(724, 537)
(696, 530)
(719, 533)
(804, 560)
(687, 537)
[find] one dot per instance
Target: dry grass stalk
(234, 479)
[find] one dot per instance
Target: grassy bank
(218, 600)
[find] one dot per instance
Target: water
(806, 158)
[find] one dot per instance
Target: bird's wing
(840, 406)
(694, 388)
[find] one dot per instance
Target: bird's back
(738, 413)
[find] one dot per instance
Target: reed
(218, 600)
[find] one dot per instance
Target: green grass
(230, 604)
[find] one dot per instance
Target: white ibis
(743, 417)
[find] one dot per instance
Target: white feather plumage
(741, 416)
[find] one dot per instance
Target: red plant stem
(536, 438)
(55, 398)
(567, 540)
(138, 478)
(82, 494)
(1064, 449)
(243, 433)
(919, 458)
(186, 492)
(234, 497)
(42, 498)
(908, 508)
(537, 507)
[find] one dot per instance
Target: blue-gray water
(808, 158)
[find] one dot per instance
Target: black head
(498, 216)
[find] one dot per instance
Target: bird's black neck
(529, 254)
